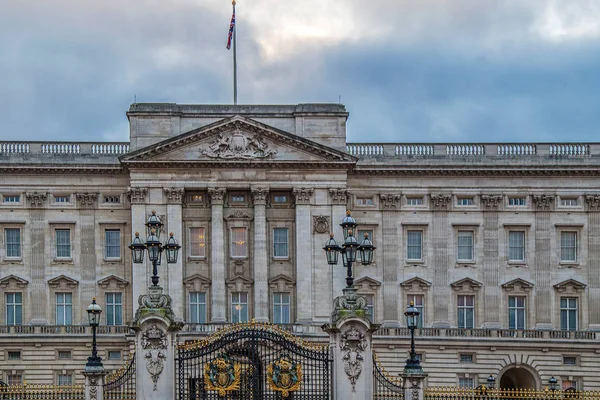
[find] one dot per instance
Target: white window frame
(281, 306)
(63, 245)
(365, 201)
(464, 233)
(64, 308)
(197, 302)
(523, 246)
(108, 246)
(197, 240)
(518, 310)
(569, 201)
(113, 303)
(286, 243)
(64, 379)
(415, 201)
(568, 310)
(11, 199)
(574, 247)
(243, 243)
(464, 309)
(410, 231)
(517, 201)
(460, 200)
(239, 307)
(66, 199)
(6, 243)
(17, 307)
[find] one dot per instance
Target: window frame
(465, 309)
(470, 201)
(114, 305)
(364, 201)
(567, 310)
(108, 246)
(6, 243)
(274, 244)
(233, 243)
(8, 199)
(65, 305)
(421, 307)
(61, 199)
(518, 310)
(511, 198)
(244, 307)
(421, 232)
(420, 201)
(471, 233)
(575, 247)
(201, 244)
(199, 305)
(523, 247)
(14, 305)
(281, 304)
(56, 244)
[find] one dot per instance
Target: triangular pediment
(197, 282)
(415, 284)
(366, 283)
(515, 284)
(113, 281)
(13, 280)
(281, 283)
(236, 140)
(63, 281)
(570, 285)
(466, 284)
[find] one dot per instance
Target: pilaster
(593, 209)
(304, 259)
(37, 218)
(543, 259)
(491, 264)
(140, 273)
(219, 298)
(440, 204)
(86, 202)
(174, 197)
(261, 272)
(390, 205)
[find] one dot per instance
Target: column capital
(259, 195)
(491, 201)
(593, 202)
(390, 201)
(216, 195)
(36, 200)
(303, 195)
(174, 195)
(339, 196)
(440, 201)
(137, 195)
(86, 200)
(543, 202)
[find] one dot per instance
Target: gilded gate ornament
(285, 376)
(223, 375)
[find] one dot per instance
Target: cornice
(255, 164)
(62, 170)
(474, 171)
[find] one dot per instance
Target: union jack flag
(231, 28)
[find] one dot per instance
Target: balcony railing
(62, 330)
(491, 333)
(75, 148)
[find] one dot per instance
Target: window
(568, 313)
(360, 236)
(516, 246)
(12, 199)
(466, 312)
(465, 245)
(414, 201)
(238, 243)
(14, 379)
(12, 241)
(114, 354)
(14, 355)
(516, 201)
(64, 354)
(465, 201)
(364, 201)
(417, 300)
(112, 243)
(63, 243)
(568, 202)
(414, 245)
(466, 358)
(370, 306)
(196, 198)
(280, 198)
(14, 308)
(239, 307)
(64, 307)
(516, 312)
(65, 380)
(112, 199)
(568, 246)
(568, 384)
(114, 309)
(197, 308)
(569, 360)
(280, 242)
(198, 242)
(465, 382)
(281, 308)
(238, 198)
(62, 199)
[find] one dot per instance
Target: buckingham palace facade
(497, 244)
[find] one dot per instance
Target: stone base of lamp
(413, 384)
(94, 383)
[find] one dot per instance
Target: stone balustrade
(62, 330)
(75, 148)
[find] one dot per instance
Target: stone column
(491, 264)
(261, 271)
(440, 204)
(217, 251)
(140, 274)
(156, 340)
(94, 383)
(174, 196)
(304, 259)
(339, 206)
(88, 261)
(543, 259)
(37, 286)
(390, 205)
(593, 209)
(413, 385)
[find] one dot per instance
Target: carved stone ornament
(239, 214)
(543, 201)
(36, 199)
(174, 195)
(415, 388)
(593, 202)
(238, 144)
(491, 201)
(93, 388)
(349, 304)
(259, 195)
(155, 298)
(216, 195)
(440, 201)
(320, 224)
(390, 201)
(353, 343)
(339, 196)
(303, 195)
(137, 195)
(154, 342)
(86, 199)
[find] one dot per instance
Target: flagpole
(234, 58)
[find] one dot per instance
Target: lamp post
(349, 249)
(491, 382)
(154, 246)
(94, 312)
(553, 382)
(413, 364)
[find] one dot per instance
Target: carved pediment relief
(466, 285)
(366, 283)
(13, 281)
(63, 282)
(416, 284)
(239, 214)
(570, 286)
(237, 144)
(281, 283)
(113, 281)
(517, 285)
(196, 282)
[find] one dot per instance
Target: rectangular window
(239, 244)
(417, 300)
(280, 198)
(62, 199)
(65, 380)
(63, 243)
(280, 242)
(414, 201)
(569, 360)
(112, 243)
(196, 198)
(464, 382)
(466, 312)
(466, 358)
(281, 308)
(114, 354)
(12, 240)
(465, 201)
(516, 312)
(568, 202)
(114, 309)
(64, 308)
(364, 201)
(197, 308)
(465, 245)
(12, 199)
(14, 355)
(238, 198)
(112, 199)
(569, 384)
(14, 379)
(198, 242)
(568, 246)
(414, 245)
(64, 354)
(14, 308)
(568, 313)
(239, 307)
(516, 201)
(516, 246)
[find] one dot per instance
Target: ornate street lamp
(94, 312)
(349, 248)
(413, 364)
(154, 247)
(553, 382)
(491, 382)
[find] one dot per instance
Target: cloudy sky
(407, 70)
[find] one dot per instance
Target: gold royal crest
(284, 376)
(222, 375)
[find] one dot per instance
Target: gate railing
(120, 385)
(385, 386)
(42, 392)
(482, 393)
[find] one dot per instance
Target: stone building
(498, 244)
